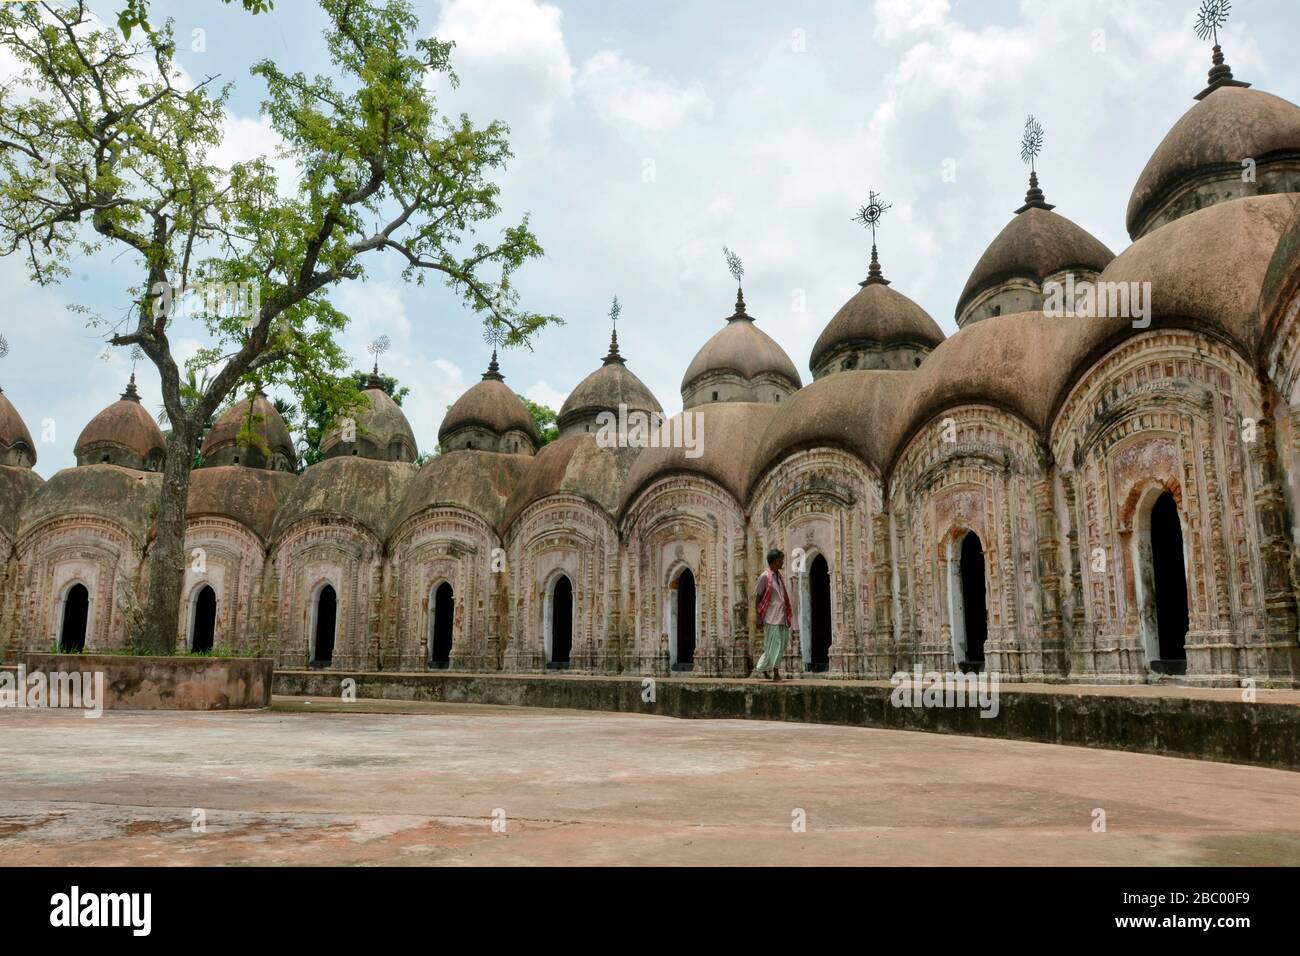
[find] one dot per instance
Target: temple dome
(382, 430)
(248, 496)
(726, 432)
(16, 446)
(475, 481)
(828, 414)
(273, 449)
(879, 328)
(1211, 268)
(575, 464)
(1035, 246)
(740, 363)
(123, 434)
(1199, 162)
(126, 497)
(605, 390)
(361, 490)
(489, 417)
(18, 483)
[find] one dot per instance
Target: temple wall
(686, 521)
(971, 469)
(821, 503)
(1172, 411)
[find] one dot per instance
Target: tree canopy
(106, 147)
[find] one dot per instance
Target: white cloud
(542, 393)
(512, 61)
(629, 94)
(896, 17)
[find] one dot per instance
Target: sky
(648, 136)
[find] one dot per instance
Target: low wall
(1205, 725)
(169, 683)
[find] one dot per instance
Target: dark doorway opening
(561, 623)
(205, 619)
(444, 607)
(819, 614)
(685, 621)
(76, 611)
(1170, 578)
(975, 611)
(326, 613)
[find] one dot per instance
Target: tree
(543, 418)
(318, 418)
(136, 13)
(105, 146)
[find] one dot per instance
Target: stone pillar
(905, 647)
(879, 651)
(1281, 657)
(1055, 661)
(614, 628)
(1013, 641)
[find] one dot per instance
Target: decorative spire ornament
(869, 216)
(1213, 15)
(493, 370)
(131, 395)
(377, 348)
(4, 349)
(615, 310)
(737, 270)
(1031, 144)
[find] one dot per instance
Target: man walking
(775, 612)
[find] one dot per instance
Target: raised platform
(1170, 720)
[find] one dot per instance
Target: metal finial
(494, 332)
(493, 370)
(1031, 144)
(1212, 15)
(615, 310)
(377, 348)
(1210, 18)
(869, 216)
(1031, 141)
(131, 395)
(4, 346)
(734, 265)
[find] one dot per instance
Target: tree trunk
(167, 557)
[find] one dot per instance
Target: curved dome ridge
(1036, 244)
(1200, 160)
(875, 328)
(744, 361)
(608, 388)
(489, 417)
(273, 447)
(16, 445)
(381, 429)
(123, 434)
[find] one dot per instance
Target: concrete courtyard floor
(390, 782)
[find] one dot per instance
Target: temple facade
(1087, 497)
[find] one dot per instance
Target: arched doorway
(76, 612)
(974, 611)
(561, 643)
(323, 632)
(1169, 579)
(819, 614)
(441, 618)
(204, 626)
(685, 602)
